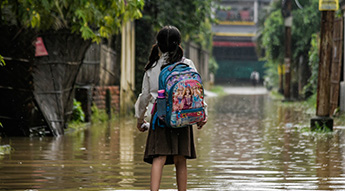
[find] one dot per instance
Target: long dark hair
(168, 40)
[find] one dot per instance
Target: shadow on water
(250, 143)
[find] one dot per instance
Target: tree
(272, 39)
(193, 18)
(66, 27)
(93, 19)
(306, 22)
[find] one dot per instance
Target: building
(234, 46)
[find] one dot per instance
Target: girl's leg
(156, 172)
(181, 172)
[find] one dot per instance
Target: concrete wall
(109, 70)
(127, 83)
(200, 58)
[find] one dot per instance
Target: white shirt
(150, 87)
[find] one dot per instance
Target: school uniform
(162, 141)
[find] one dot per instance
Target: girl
(164, 145)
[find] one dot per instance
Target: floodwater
(250, 143)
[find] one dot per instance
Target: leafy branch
(194, 19)
(93, 19)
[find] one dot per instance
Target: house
(234, 46)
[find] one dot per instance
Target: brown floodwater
(250, 143)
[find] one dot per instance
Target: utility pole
(323, 119)
(286, 11)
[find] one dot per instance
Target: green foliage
(213, 65)
(194, 18)
(340, 119)
(93, 19)
(317, 132)
(306, 22)
(275, 95)
(219, 90)
(271, 73)
(321, 128)
(78, 114)
(2, 61)
(98, 115)
(5, 149)
(311, 101)
(76, 127)
(313, 64)
(273, 37)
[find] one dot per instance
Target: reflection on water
(250, 143)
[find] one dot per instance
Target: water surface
(250, 143)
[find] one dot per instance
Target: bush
(78, 114)
(213, 65)
(98, 115)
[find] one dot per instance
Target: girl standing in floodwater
(165, 145)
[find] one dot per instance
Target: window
(239, 11)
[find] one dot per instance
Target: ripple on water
(250, 143)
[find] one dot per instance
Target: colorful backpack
(182, 103)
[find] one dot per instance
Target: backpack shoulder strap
(181, 62)
(177, 64)
(167, 69)
(172, 66)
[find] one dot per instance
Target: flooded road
(250, 143)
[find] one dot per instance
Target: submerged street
(251, 142)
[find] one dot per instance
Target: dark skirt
(165, 141)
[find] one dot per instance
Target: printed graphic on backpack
(187, 104)
(184, 95)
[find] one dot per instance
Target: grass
(311, 101)
(74, 127)
(339, 119)
(219, 90)
(309, 107)
(276, 95)
(318, 129)
(5, 149)
(98, 116)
